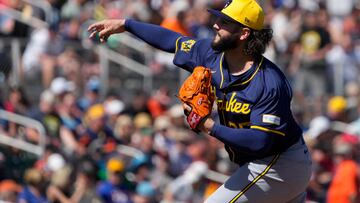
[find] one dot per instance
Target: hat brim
(220, 14)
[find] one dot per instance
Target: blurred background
(82, 121)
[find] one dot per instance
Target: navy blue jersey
(254, 107)
(258, 99)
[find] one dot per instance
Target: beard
(225, 43)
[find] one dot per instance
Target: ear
(244, 33)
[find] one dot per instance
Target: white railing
(107, 55)
(44, 5)
(344, 128)
(17, 15)
(18, 143)
(129, 151)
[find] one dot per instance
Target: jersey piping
(273, 161)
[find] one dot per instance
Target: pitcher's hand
(107, 27)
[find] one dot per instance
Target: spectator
(124, 128)
(343, 187)
(33, 51)
(186, 187)
(9, 190)
(45, 113)
(336, 109)
(44, 164)
(69, 113)
(59, 187)
(17, 101)
(55, 162)
(139, 171)
(16, 163)
(337, 10)
(157, 103)
(69, 64)
(72, 9)
(113, 108)
(178, 156)
(200, 21)
(175, 19)
(176, 116)
(11, 27)
(142, 120)
(159, 176)
(113, 190)
(86, 177)
(91, 95)
(163, 142)
(145, 193)
(138, 104)
(309, 63)
(34, 190)
(95, 126)
(60, 85)
(49, 57)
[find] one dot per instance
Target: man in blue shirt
(34, 190)
(113, 190)
(253, 101)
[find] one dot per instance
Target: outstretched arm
(154, 35)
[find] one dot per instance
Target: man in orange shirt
(344, 186)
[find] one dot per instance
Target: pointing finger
(96, 26)
(104, 34)
(92, 35)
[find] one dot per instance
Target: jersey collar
(228, 80)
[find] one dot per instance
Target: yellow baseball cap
(95, 112)
(115, 165)
(245, 12)
(337, 104)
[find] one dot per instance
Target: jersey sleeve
(270, 113)
(154, 35)
(190, 52)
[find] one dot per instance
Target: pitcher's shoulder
(272, 74)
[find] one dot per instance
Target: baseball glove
(196, 93)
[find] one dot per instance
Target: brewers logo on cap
(245, 12)
(227, 3)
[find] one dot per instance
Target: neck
(238, 62)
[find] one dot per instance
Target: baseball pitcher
(253, 101)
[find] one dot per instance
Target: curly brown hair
(258, 41)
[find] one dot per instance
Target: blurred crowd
(106, 151)
(122, 147)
